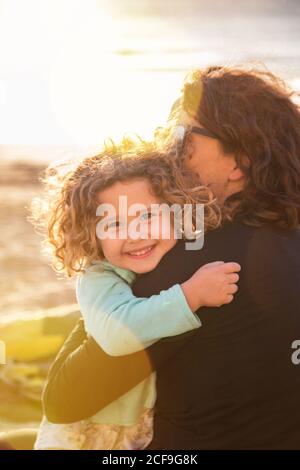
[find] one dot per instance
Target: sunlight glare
(66, 83)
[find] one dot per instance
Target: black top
(231, 384)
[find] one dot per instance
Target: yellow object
(31, 342)
(32, 337)
(22, 439)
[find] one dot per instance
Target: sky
(61, 80)
(73, 72)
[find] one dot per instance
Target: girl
(106, 268)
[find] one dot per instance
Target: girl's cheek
(166, 230)
(159, 228)
(104, 248)
(108, 248)
(114, 248)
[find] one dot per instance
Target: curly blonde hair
(68, 217)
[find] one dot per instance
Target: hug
(178, 348)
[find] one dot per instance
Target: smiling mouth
(142, 253)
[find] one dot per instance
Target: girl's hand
(213, 285)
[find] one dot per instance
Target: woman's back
(233, 384)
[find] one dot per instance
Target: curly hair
(68, 214)
(252, 112)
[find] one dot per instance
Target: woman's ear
(236, 174)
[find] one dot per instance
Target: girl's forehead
(134, 191)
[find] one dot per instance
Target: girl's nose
(138, 231)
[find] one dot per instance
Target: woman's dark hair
(254, 115)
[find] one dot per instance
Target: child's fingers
(214, 263)
(231, 267)
(232, 289)
(229, 299)
(232, 278)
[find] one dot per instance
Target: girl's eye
(114, 224)
(147, 216)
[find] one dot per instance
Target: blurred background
(73, 72)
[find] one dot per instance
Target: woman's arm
(84, 379)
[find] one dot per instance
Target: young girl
(107, 267)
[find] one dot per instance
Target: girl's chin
(143, 266)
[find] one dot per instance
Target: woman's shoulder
(270, 237)
(240, 230)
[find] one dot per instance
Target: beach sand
(28, 284)
(27, 281)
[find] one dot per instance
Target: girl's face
(142, 250)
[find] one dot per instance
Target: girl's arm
(122, 323)
(84, 379)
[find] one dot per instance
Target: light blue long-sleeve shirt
(123, 324)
